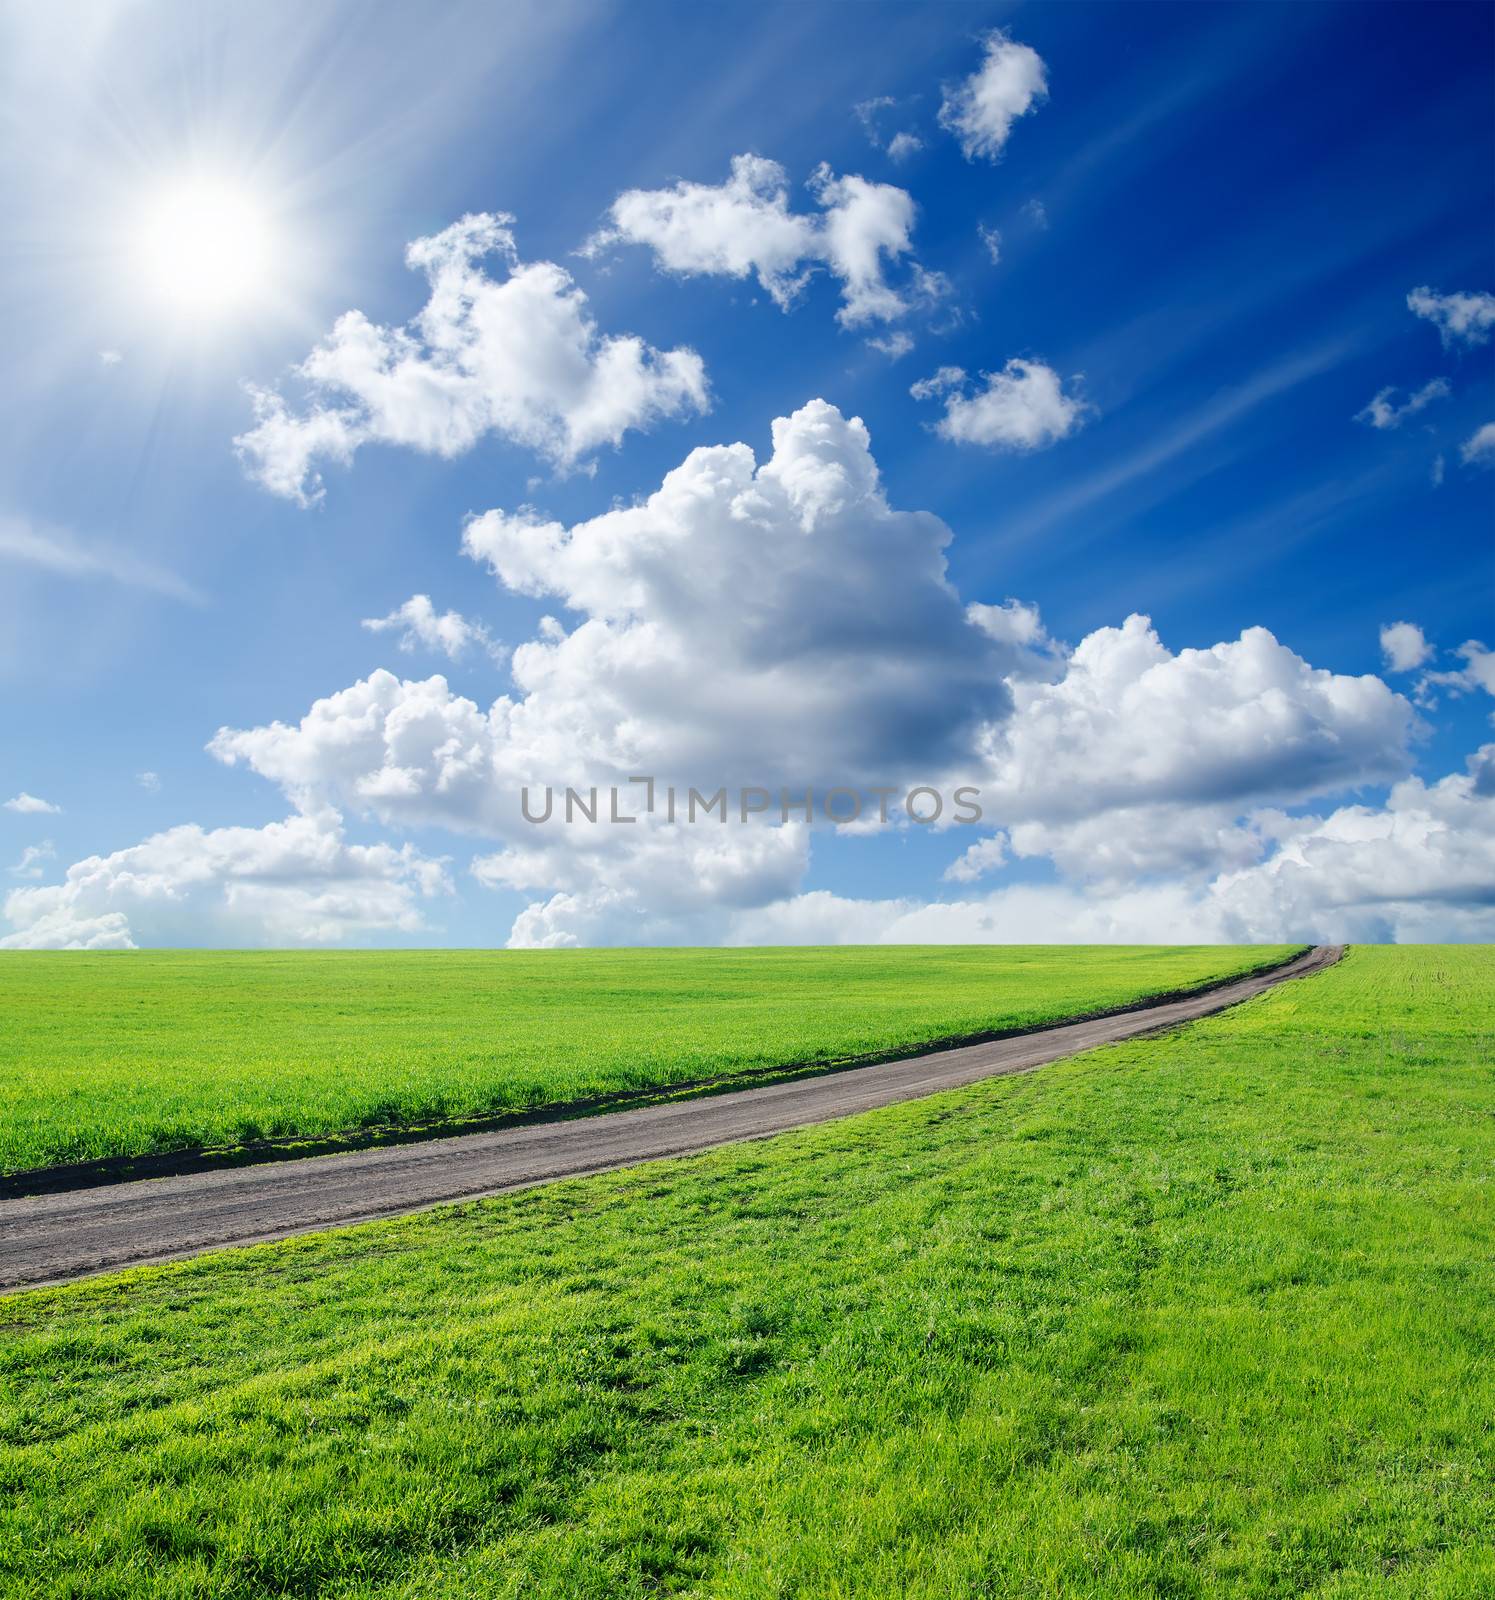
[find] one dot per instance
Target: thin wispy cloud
(1384, 412)
(55, 550)
(1229, 407)
(32, 864)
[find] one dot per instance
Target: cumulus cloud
(1420, 869)
(1130, 721)
(779, 623)
(648, 884)
(1383, 411)
(518, 355)
(1022, 407)
(148, 780)
(1139, 761)
(744, 228)
(1461, 318)
(31, 805)
(1478, 450)
(1404, 646)
(991, 240)
(1008, 84)
(292, 882)
(419, 625)
(1019, 627)
(747, 623)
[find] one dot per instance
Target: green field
(131, 1053)
(1205, 1314)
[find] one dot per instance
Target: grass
(133, 1053)
(1206, 1314)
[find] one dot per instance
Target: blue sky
(1207, 229)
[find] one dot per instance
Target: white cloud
(31, 805)
(737, 229)
(292, 882)
(1117, 848)
(781, 624)
(872, 114)
(744, 228)
(1419, 869)
(1008, 84)
(32, 857)
(517, 355)
(1435, 475)
(1383, 412)
(893, 345)
(1404, 646)
(110, 358)
(1136, 761)
(1478, 672)
(645, 884)
(773, 623)
(1461, 318)
(991, 239)
(148, 780)
(57, 551)
(1022, 407)
(986, 855)
(418, 623)
(1130, 723)
(939, 382)
(1019, 627)
(1478, 450)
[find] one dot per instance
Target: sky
(1087, 406)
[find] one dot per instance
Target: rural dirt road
(54, 1238)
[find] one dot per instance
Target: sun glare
(205, 247)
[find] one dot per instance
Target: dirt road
(52, 1238)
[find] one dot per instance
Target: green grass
(127, 1054)
(1207, 1314)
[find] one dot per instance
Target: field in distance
(1203, 1314)
(134, 1053)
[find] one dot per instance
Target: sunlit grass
(129, 1053)
(1204, 1314)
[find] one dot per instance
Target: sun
(205, 247)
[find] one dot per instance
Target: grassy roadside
(1203, 1314)
(128, 1054)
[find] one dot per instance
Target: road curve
(54, 1238)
